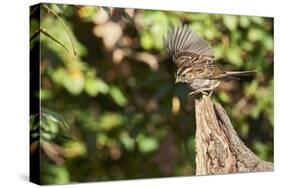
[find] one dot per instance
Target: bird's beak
(177, 80)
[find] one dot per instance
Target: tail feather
(241, 73)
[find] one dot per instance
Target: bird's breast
(202, 83)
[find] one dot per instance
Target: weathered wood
(219, 150)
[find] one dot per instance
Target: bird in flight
(194, 60)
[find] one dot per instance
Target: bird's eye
(183, 75)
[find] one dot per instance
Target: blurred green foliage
(113, 111)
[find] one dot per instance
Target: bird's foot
(204, 92)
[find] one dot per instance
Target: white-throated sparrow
(194, 60)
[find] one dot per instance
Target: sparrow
(194, 61)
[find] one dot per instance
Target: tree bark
(219, 150)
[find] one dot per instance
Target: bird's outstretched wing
(187, 48)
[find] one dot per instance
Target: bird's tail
(240, 73)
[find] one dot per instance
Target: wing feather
(187, 48)
(208, 71)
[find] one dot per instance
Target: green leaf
(268, 43)
(261, 149)
(251, 89)
(74, 83)
(255, 34)
(118, 96)
(109, 121)
(54, 174)
(45, 94)
(245, 21)
(65, 27)
(102, 139)
(101, 86)
(230, 22)
(146, 41)
(90, 87)
(60, 8)
(147, 144)
(244, 129)
(257, 19)
(234, 56)
(127, 141)
(55, 117)
(94, 86)
(224, 97)
(46, 33)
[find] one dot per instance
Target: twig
(65, 27)
(42, 30)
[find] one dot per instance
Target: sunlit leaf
(109, 121)
(74, 83)
(230, 22)
(93, 86)
(234, 56)
(245, 21)
(255, 34)
(147, 144)
(118, 96)
(146, 41)
(128, 141)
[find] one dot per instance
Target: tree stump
(219, 150)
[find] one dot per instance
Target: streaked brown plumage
(194, 60)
